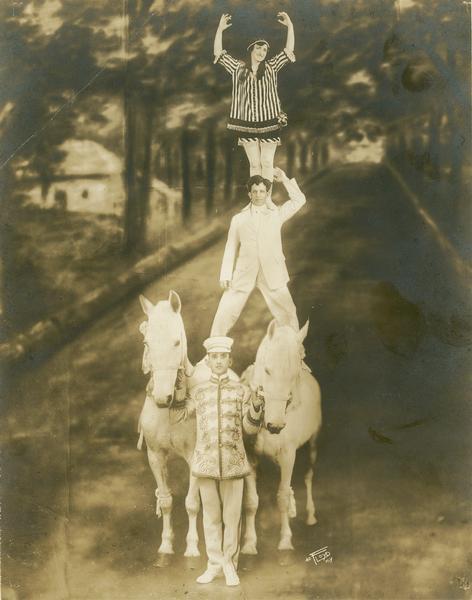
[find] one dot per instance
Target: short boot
(210, 574)
(230, 574)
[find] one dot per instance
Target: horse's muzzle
(273, 429)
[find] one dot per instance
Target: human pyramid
(226, 408)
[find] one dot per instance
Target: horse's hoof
(286, 558)
(247, 562)
(192, 562)
(163, 560)
(311, 521)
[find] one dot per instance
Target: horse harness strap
(289, 401)
(178, 401)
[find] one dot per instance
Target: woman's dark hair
(248, 67)
(256, 180)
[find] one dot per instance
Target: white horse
(292, 417)
(166, 422)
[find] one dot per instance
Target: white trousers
(232, 302)
(221, 502)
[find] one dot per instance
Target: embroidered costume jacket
(259, 248)
(223, 410)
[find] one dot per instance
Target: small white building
(88, 180)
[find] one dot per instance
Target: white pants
(221, 502)
(232, 302)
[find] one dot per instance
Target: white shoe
(230, 574)
(209, 575)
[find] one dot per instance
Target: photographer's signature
(319, 556)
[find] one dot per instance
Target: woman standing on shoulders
(256, 115)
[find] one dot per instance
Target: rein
(178, 401)
(288, 402)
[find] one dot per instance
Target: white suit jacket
(261, 248)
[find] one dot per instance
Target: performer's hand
(282, 17)
(225, 284)
(258, 398)
(225, 22)
(279, 175)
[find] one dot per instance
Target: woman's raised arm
(282, 17)
(224, 23)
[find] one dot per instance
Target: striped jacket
(255, 104)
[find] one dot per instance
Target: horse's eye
(177, 343)
(267, 371)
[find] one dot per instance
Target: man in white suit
(254, 241)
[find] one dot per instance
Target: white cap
(218, 343)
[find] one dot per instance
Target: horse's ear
(146, 304)
(271, 328)
(303, 331)
(174, 301)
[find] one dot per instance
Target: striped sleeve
(281, 59)
(227, 61)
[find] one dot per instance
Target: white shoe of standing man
(230, 574)
(210, 574)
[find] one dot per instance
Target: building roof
(86, 156)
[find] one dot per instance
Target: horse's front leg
(192, 505)
(158, 463)
(250, 504)
(286, 461)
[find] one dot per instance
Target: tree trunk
(290, 158)
(315, 157)
(324, 153)
(146, 181)
(45, 184)
(169, 165)
(210, 169)
(131, 214)
(303, 156)
(186, 183)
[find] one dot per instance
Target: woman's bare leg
(253, 153)
(267, 159)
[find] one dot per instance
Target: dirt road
(389, 343)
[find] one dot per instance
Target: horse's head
(165, 345)
(277, 366)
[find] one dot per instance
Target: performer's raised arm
(296, 197)
(282, 17)
(224, 23)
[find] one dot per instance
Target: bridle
(287, 404)
(178, 399)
